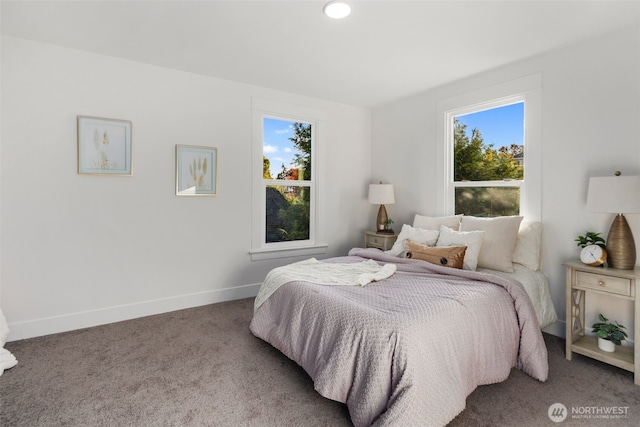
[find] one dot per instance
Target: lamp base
(382, 219)
(621, 248)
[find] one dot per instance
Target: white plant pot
(606, 345)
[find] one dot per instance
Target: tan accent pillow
(500, 234)
(447, 256)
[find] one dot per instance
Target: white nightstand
(582, 280)
(382, 241)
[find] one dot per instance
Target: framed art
(196, 171)
(104, 146)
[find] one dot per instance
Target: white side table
(583, 280)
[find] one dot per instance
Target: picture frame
(196, 170)
(104, 146)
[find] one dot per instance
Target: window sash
(505, 183)
(291, 243)
(292, 183)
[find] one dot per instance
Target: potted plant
(590, 238)
(387, 226)
(609, 334)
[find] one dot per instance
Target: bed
(406, 349)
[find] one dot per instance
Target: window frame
(527, 90)
(260, 249)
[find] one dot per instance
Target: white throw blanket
(322, 273)
(7, 360)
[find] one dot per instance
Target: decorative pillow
(434, 223)
(499, 240)
(471, 239)
(447, 256)
(529, 245)
(427, 237)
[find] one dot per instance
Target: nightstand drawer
(384, 242)
(376, 242)
(615, 285)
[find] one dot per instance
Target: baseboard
(86, 319)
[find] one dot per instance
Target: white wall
(82, 250)
(590, 111)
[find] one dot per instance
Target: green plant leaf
(590, 238)
(609, 331)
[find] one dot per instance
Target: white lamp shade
(381, 194)
(614, 194)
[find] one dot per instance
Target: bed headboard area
(493, 243)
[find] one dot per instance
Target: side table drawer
(615, 285)
(384, 242)
(376, 242)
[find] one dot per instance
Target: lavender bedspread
(409, 349)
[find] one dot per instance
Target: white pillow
(471, 239)
(499, 240)
(434, 223)
(418, 235)
(529, 245)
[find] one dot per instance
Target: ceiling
(383, 51)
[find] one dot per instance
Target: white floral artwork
(104, 146)
(197, 176)
(195, 170)
(108, 150)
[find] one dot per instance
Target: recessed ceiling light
(337, 9)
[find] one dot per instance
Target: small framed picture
(196, 171)
(104, 146)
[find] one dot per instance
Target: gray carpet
(202, 367)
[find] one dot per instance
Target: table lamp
(619, 195)
(381, 194)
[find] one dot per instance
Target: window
(285, 186)
(491, 156)
(488, 159)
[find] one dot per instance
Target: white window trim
(260, 250)
(527, 89)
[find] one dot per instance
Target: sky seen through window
(500, 126)
(276, 145)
